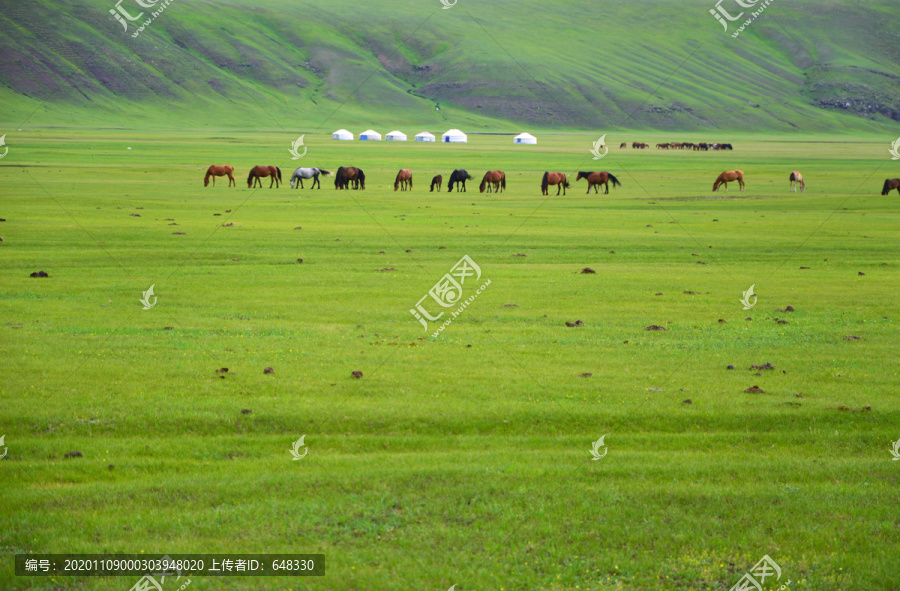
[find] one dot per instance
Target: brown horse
(404, 177)
(346, 175)
(497, 178)
(554, 178)
(258, 172)
(438, 182)
(797, 181)
(623, 145)
(219, 170)
(890, 185)
(595, 179)
(729, 176)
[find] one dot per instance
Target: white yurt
(454, 136)
(396, 136)
(370, 135)
(342, 134)
(424, 137)
(524, 138)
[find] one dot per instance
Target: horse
(729, 176)
(459, 176)
(890, 185)
(219, 170)
(308, 173)
(346, 175)
(257, 172)
(497, 178)
(554, 178)
(595, 179)
(404, 177)
(623, 145)
(797, 181)
(437, 181)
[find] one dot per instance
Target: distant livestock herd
(680, 146)
(347, 177)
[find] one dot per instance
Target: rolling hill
(802, 66)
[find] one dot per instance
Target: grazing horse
(729, 176)
(308, 173)
(595, 179)
(554, 178)
(890, 185)
(347, 175)
(623, 145)
(797, 181)
(257, 172)
(437, 181)
(219, 170)
(404, 177)
(497, 178)
(460, 177)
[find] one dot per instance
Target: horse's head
(581, 175)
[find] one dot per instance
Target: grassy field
(464, 459)
(657, 64)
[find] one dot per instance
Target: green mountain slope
(666, 64)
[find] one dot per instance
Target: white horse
(308, 173)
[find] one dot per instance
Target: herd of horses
(494, 181)
(680, 146)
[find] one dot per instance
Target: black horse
(459, 176)
(347, 175)
(890, 185)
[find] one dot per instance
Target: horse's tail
(410, 181)
(278, 170)
(614, 180)
(362, 178)
(397, 182)
(544, 182)
(503, 182)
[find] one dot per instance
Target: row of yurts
(454, 136)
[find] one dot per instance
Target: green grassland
(462, 459)
(803, 66)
